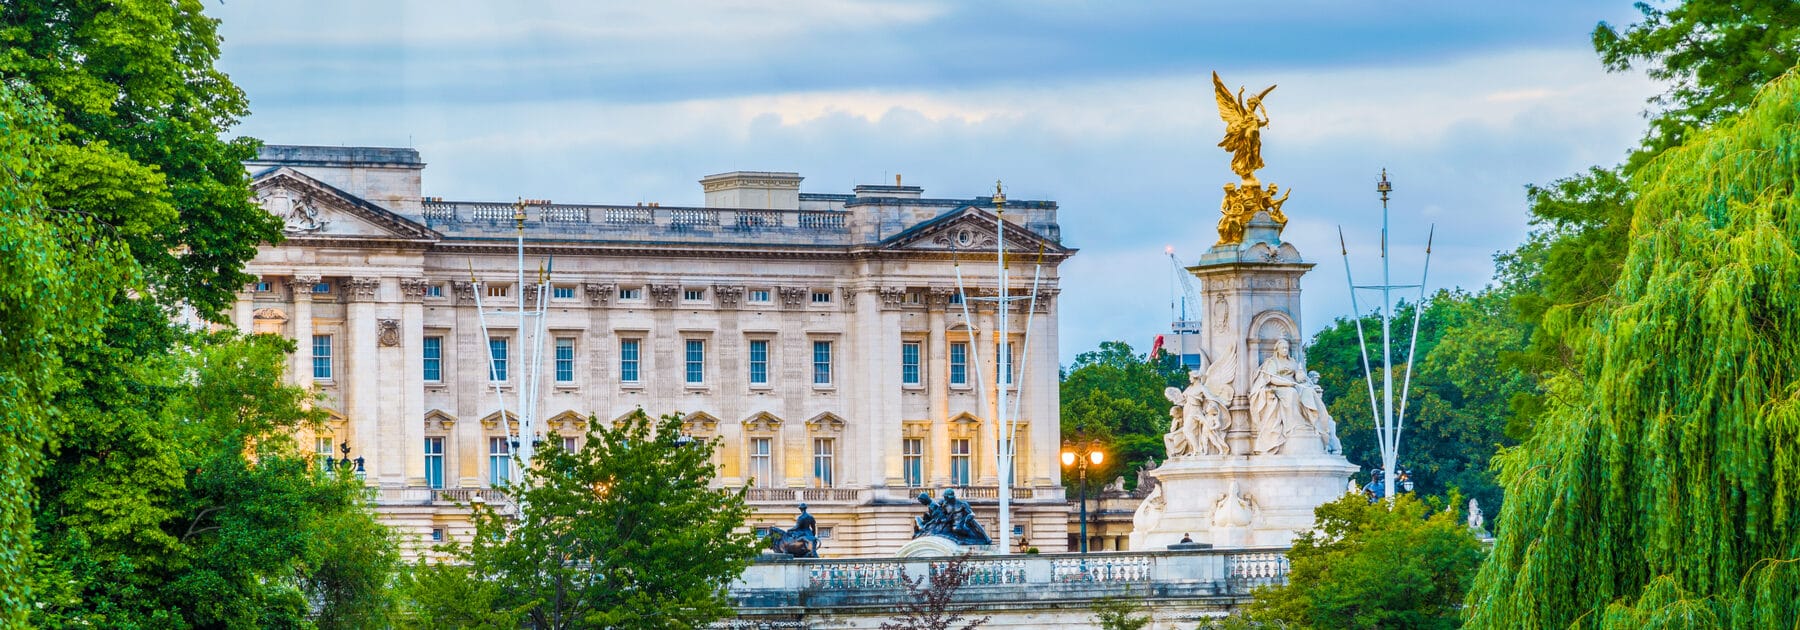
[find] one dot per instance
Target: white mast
(529, 333)
(1005, 423)
(1388, 425)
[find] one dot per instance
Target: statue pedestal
(938, 546)
(1281, 490)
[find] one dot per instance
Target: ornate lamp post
(1090, 452)
(346, 464)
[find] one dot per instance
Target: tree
(1120, 613)
(57, 273)
(930, 604)
(1115, 397)
(1462, 387)
(441, 595)
(1661, 489)
(1375, 565)
(624, 532)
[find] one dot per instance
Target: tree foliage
(1115, 397)
(1664, 488)
(932, 601)
(624, 532)
(1369, 565)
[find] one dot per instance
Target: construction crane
(1184, 310)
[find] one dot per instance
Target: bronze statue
(950, 518)
(800, 542)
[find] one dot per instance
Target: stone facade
(827, 330)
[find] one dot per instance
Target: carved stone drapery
(359, 288)
(600, 293)
(413, 289)
(665, 293)
(792, 297)
(387, 332)
(728, 296)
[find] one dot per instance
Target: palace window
(628, 360)
(570, 444)
(821, 297)
(321, 356)
(761, 462)
(759, 362)
(956, 298)
(696, 361)
(633, 293)
(563, 292)
(821, 363)
(912, 463)
(909, 363)
(959, 462)
(321, 287)
(322, 448)
(434, 462)
(565, 359)
(693, 295)
(499, 462)
(262, 286)
(497, 351)
(434, 359)
(498, 290)
(822, 461)
(435, 290)
(759, 296)
(1003, 354)
(959, 364)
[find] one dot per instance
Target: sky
(1104, 107)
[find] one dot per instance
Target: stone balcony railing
(602, 221)
(856, 496)
(1222, 575)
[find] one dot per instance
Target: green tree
(623, 533)
(443, 595)
(1462, 385)
(1660, 490)
(1115, 397)
(57, 274)
(1120, 613)
(1372, 565)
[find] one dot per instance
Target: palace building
(819, 338)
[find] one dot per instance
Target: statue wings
(1173, 394)
(1232, 108)
(1219, 376)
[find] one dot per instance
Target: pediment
(970, 230)
(313, 209)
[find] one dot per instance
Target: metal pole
(1387, 359)
(1084, 537)
(1003, 368)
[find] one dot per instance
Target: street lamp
(346, 464)
(1090, 452)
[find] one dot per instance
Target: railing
(828, 221)
(469, 495)
(630, 216)
(1253, 569)
(758, 219)
(439, 213)
(686, 218)
(1223, 576)
(565, 214)
(991, 493)
(491, 212)
(821, 220)
(809, 495)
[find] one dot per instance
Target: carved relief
(700, 425)
(360, 288)
(1221, 314)
(825, 423)
(413, 289)
(600, 293)
(465, 291)
(728, 296)
(437, 419)
(792, 297)
(492, 421)
(531, 293)
(296, 210)
(965, 237)
(387, 331)
(939, 297)
(892, 297)
(268, 320)
(848, 295)
(302, 285)
(665, 293)
(762, 422)
(566, 423)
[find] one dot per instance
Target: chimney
(753, 190)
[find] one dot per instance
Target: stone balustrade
(1195, 580)
(804, 226)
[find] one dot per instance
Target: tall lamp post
(1090, 452)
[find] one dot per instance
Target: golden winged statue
(1244, 120)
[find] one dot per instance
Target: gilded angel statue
(1244, 120)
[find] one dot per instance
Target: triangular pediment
(310, 208)
(969, 230)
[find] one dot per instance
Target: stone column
(885, 391)
(937, 451)
(362, 376)
(412, 395)
(301, 288)
(467, 376)
(985, 469)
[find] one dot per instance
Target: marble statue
(1475, 519)
(1275, 400)
(1321, 420)
(950, 518)
(1149, 511)
(1145, 481)
(1116, 486)
(1199, 417)
(800, 542)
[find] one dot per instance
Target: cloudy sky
(1104, 107)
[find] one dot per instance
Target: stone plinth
(1281, 492)
(938, 546)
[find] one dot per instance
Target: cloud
(1124, 140)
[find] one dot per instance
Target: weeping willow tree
(1663, 489)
